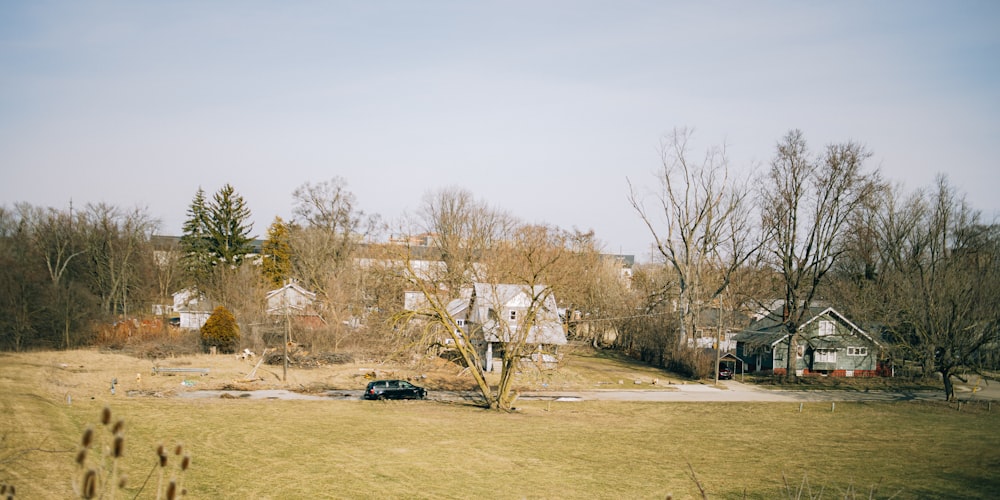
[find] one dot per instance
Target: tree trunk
(791, 362)
(949, 388)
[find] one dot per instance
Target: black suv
(393, 389)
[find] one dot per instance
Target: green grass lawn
(423, 449)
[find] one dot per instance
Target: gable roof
(290, 298)
(291, 287)
(769, 330)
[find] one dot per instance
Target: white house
(193, 308)
(491, 316)
(290, 299)
(498, 311)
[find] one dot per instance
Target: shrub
(693, 363)
(221, 331)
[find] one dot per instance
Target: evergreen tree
(195, 242)
(228, 228)
(221, 331)
(277, 250)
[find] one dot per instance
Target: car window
(392, 384)
(405, 385)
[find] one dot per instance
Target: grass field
(423, 449)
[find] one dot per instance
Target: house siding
(844, 350)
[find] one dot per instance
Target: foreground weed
(98, 463)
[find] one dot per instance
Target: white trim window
(857, 351)
(825, 356)
(513, 316)
(826, 328)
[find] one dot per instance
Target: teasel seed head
(90, 484)
(106, 416)
(119, 447)
(88, 437)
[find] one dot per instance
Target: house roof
(458, 308)
(191, 300)
(291, 287)
(760, 337)
(769, 330)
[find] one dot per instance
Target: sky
(545, 109)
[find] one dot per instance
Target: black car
(394, 389)
(725, 373)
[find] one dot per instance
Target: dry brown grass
(83, 374)
(424, 449)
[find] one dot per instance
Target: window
(460, 322)
(826, 356)
(826, 328)
(513, 316)
(857, 351)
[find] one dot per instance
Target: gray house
(828, 344)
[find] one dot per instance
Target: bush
(221, 331)
(692, 363)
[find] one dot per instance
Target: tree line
(918, 268)
(810, 228)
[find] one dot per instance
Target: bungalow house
(294, 301)
(491, 315)
(828, 343)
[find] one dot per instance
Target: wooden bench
(172, 371)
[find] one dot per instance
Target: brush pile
(301, 358)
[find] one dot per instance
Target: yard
(423, 449)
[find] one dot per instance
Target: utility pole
(288, 327)
(718, 341)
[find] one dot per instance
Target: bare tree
(324, 239)
(166, 261)
(114, 239)
(23, 281)
(705, 234)
(941, 281)
(806, 205)
(594, 290)
(460, 228)
(530, 259)
(57, 236)
(525, 258)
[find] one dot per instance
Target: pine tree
(228, 228)
(277, 251)
(195, 243)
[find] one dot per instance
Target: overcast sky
(542, 108)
